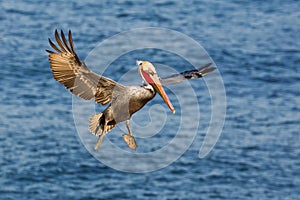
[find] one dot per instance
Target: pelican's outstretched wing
(186, 75)
(70, 71)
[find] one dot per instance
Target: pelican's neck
(148, 87)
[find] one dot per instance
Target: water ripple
(256, 47)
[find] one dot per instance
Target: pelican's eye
(150, 72)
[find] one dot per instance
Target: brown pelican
(124, 101)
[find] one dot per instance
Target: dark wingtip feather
(56, 32)
(72, 45)
(71, 41)
(64, 40)
(206, 69)
(54, 46)
(48, 51)
(208, 64)
(58, 40)
(64, 44)
(205, 66)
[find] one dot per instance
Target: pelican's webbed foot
(130, 141)
(129, 138)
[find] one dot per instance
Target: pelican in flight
(123, 101)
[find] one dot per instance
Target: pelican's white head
(149, 75)
(146, 67)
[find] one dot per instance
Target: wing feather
(70, 71)
(186, 75)
(65, 41)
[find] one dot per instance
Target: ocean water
(254, 44)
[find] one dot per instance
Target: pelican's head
(149, 75)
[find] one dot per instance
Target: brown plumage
(124, 101)
(75, 75)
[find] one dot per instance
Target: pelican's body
(123, 105)
(124, 101)
(131, 100)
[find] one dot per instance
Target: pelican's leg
(128, 127)
(128, 138)
(99, 142)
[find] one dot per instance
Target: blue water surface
(256, 46)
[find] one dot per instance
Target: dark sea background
(256, 47)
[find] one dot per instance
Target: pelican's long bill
(148, 73)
